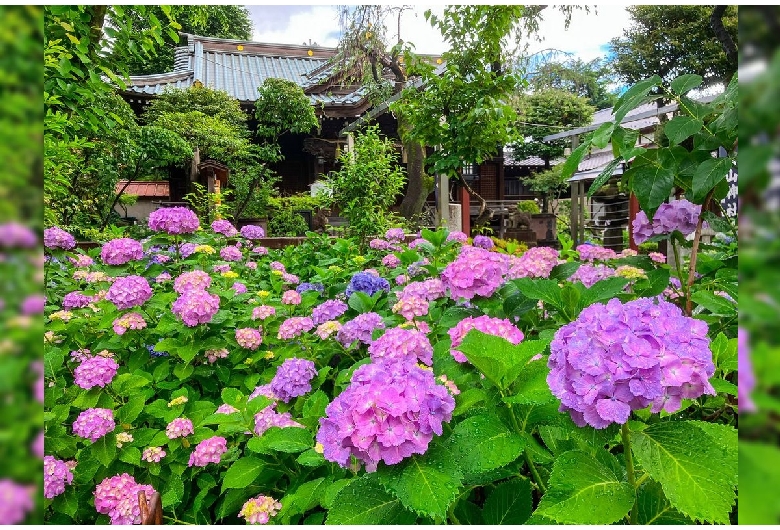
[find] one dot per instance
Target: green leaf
(130, 410)
(315, 405)
(242, 473)
(759, 483)
(509, 503)
(682, 127)
(311, 458)
(483, 443)
(303, 499)
(717, 223)
(573, 162)
(586, 490)
(548, 291)
(468, 513)
(634, 96)
(497, 358)
(654, 507)
(361, 302)
(697, 476)
(724, 353)
(285, 440)
(365, 502)
(685, 83)
(531, 385)
(707, 175)
(131, 455)
(232, 501)
(173, 492)
(233, 397)
(723, 386)
(422, 484)
(53, 358)
(564, 270)
(716, 304)
(603, 290)
(657, 281)
(104, 449)
(604, 176)
(651, 183)
(127, 384)
(602, 135)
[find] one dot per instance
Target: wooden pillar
(574, 214)
(633, 209)
(465, 212)
(444, 200)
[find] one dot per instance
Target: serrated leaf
(697, 476)
(707, 175)
(315, 404)
(716, 304)
(548, 291)
(759, 483)
(104, 449)
(717, 223)
(365, 501)
(654, 507)
(602, 290)
(656, 282)
(724, 353)
(685, 83)
(497, 358)
(284, 440)
(232, 501)
(634, 96)
(531, 385)
(422, 484)
(303, 499)
(128, 412)
(242, 472)
(173, 492)
(468, 513)
(509, 503)
(482, 443)
(604, 176)
(584, 490)
(361, 302)
(602, 135)
(651, 183)
(682, 127)
(131, 455)
(310, 458)
(572, 163)
(564, 270)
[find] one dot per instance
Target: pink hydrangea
(208, 451)
(536, 262)
(249, 338)
(81, 261)
(129, 291)
(657, 257)
(262, 312)
(56, 475)
(590, 252)
(328, 310)
(128, 321)
(213, 355)
(391, 261)
(746, 378)
(291, 298)
(37, 446)
(395, 234)
(196, 307)
(153, 454)
(222, 267)
(410, 307)
(95, 371)
(95, 423)
(179, 428)
(230, 253)
(492, 326)
(458, 236)
(360, 329)
(239, 288)
(258, 510)
(290, 278)
(75, 300)
(430, 290)
(18, 501)
(162, 277)
(56, 237)
(268, 417)
(328, 328)
(224, 227)
(277, 266)
(16, 235)
(121, 250)
(475, 271)
(399, 345)
(294, 327)
(175, 220)
(262, 251)
(379, 244)
(226, 409)
(117, 497)
(588, 274)
(192, 280)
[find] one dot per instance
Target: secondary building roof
(155, 189)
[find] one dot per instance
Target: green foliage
(283, 107)
(483, 443)
(509, 503)
(528, 207)
(364, 501)
(207, 101)
(590, 80)
(758, 481)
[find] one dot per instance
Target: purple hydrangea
(387, 413)
(328, 310)
(367, 283)
(196, 307)
(93, 424)
(746, 379)
(18, 501)
(618, 357)
(391, 261)
(56, 475)
(483, 242)
(291, 297)
(252, 232)
(249, 338)
(590, 252)
(117, 497)
(75, 299)
(129, 291)
(56, 237)
(306, 286)
(681, 215)
(294, 327)
(121, 250)
(95, 371)
(224, 227)
(230, 253)
(192, 280)
(175, 220)
(395, 234)
(81, 261)
(492, 326)
(293, 378)
(399, 345)
(536, 262)
(429, 290)
(268, 417)
(208, 451)
(290, 278)
(360, 329)
(16, 235)
(379, 244)
(187, 249)
(457, 236)
(475, 271)
(588, 274)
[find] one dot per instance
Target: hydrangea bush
(482, 387)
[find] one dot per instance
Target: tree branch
(716, 22)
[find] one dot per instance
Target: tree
(221, 21)
(670, 40)
(590, 80)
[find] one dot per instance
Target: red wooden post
(465, 212)
(633, 209)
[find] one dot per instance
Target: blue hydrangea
(367, 283)
(305, 286)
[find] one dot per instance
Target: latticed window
(470, 172)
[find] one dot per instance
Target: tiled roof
(153, 188)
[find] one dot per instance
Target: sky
(587, 36)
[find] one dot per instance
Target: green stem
(634, 515)
(534, 472)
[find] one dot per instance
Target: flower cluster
(536, 262)
(95, 371)
(117, 497)
(492, 326)
(294, 327)
(81, 261)
(93, 424)
(387, 413)
(293, 378)
(429, 290)
(128, 321)
(306, 286)
(56, 475)
(258, 510)
(268, 417)
(395, 234)
(457, 236)
(391, 261)
(590, 252)
(746, 379)
(175, 220)
(588, 274)
(224, 227)
(618, 357)
(679, 215)
(327, 328)
(475, 271)
(410, 307)
(129, 291)
(75, 300)
(196, 307)
(179, 428)
(16, 235)
(291, 297)
(249, 338)
(483, 242)
(153, 454)
(367, 283)
(328, 310)
(213, 355)
(399, 345)
(230, 253)
(208, 451)
(262, 312)
(120, 251)
(252, 232)
(56, 237)
(17, 501)
(360, 328)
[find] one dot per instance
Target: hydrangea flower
(175, 220)
(483, 242)
(56, 237)
(162, 277)
(17, 501)
(117, 497)
(536, 262)
(208, 451)
(429, 290)
(492, 326)
(746, 379)
(588, 274)
(328, 310)
(238, 288)
(277, 266)
(249, 338)
(258, 510)
(366, 283)
(95, 371)
(16, 235)
(657, 257)
(387, 413)
(391, 261)
(128, 321)
(56, 475)
(399, 345)
(379, 244)
(475, 271)
(37, 447)
(121, 250)
(153, 454)
(75, 300)
(252, 232)
(226, 409)
(410, 307)
(306, 286)
(230, 253)
(457, 236)
(224, 227)
(618, 357)
(294, 327)
(179, 428)
(196, 307)
(291, 297)
(681, 215)
(268, 417)
(81, 261)
(293, 378)
(262, 312)
(327, 328)
(591, 252)
(94, 423)
(290, 278)
(395, 234)
(213, 355)
(129, 291)
(360, 329)
(187, 249)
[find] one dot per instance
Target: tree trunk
(416, 189)
(716, 22)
